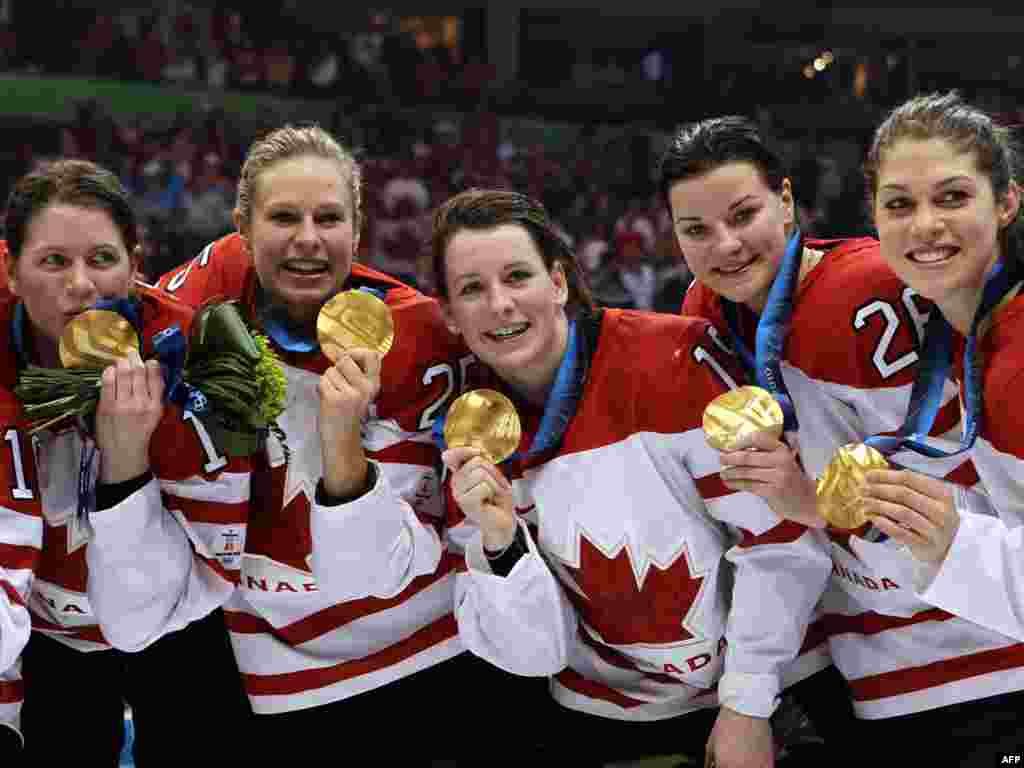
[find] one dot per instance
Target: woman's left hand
(915, 510)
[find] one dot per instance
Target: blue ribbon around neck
(559, 407)
(772, 329)
(933, 370)
(275, 324)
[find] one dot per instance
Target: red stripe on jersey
(200, 511)
(901, 681)
(608, 655)
(456, 561)
(574, 681)
(339, 615)
(12, 593)
(335, 617)
(965, 475)
(245, 623)
(12, 691)
(785, 532)
(215, 565)
(287, 683)
(816, 635)
(407, 452)
(871, 623)
(15, 557)
(711, 487)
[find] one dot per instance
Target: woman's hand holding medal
(745, 424)
(130, 408)
(482, 429)
(355, 331)
(913, 509)
(131, 400)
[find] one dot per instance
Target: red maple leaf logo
(278, 531)
(624, 614)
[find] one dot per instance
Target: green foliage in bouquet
(229, 377)
(241, 376)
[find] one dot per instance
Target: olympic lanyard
(772, 329)
(936, 360)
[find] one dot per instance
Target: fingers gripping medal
(841, 485)
(355, 319)
(95, 339)
(741, 412)
(486, 420)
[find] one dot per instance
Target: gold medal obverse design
(96, 338)
(841, 485)
(486, 420)
(355, 319)
(740, 412)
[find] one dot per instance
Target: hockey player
(344, 618)
(104, 576)
(602, 559)
(947, 208)
(848, 354)
(21, 538)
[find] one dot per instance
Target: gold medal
(355, 319)
(840, 486)
(486, 420)
(95, 339)
(740, 412)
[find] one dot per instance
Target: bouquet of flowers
(225, 375)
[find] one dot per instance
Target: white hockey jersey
(849, 363)
(335, 601)
(627, 595)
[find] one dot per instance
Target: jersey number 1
(20, 490)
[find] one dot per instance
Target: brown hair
(482, 209)
(71, 182)
(288, 142)
(947, 116)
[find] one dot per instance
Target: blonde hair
(289, 142)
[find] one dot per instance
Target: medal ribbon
(171, 350)
(772, 328)
(936, 361)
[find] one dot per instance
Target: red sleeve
(21, 525)
(217, 271)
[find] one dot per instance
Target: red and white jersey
(851, 353)
(21, 539)
(982, 576)
(849, 363)
(339, 600)
(631, 517)
(124, 589)
(128, 588)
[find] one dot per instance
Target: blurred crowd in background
(598, 187)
